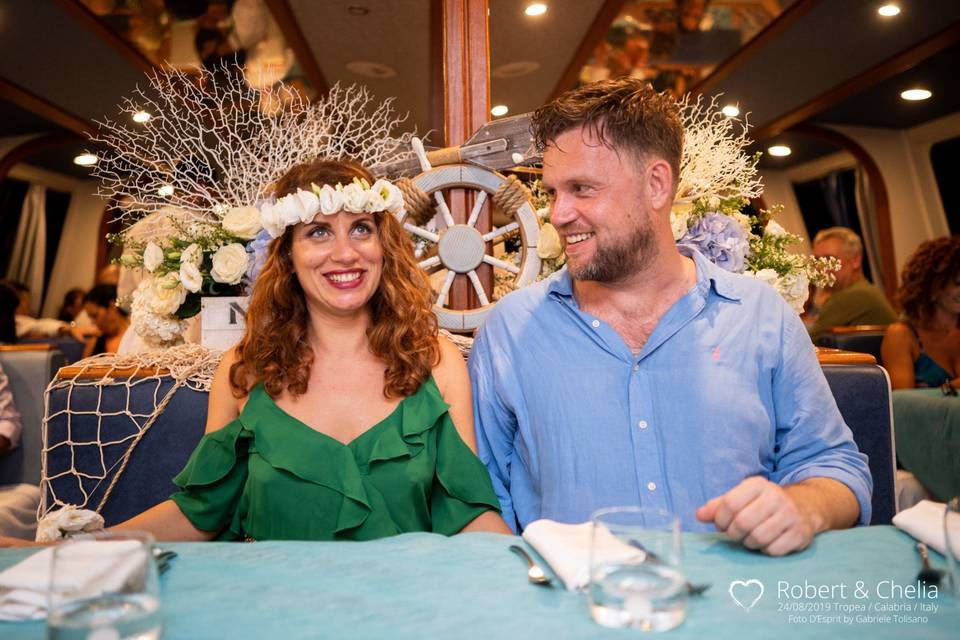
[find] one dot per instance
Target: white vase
(222, 321)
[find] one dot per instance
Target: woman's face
(338, 260)
(949, 297)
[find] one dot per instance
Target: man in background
(851, 299)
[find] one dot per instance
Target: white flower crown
(357, 197)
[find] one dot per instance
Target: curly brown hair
(624, 113)
(403, 330)
(934, 265)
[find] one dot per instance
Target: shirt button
(636, 367)
(651, 486)
(595, 324)
(642, 424)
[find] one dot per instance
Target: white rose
(152, 257)
(713, 203)
(773, 228)
(166, 295)
(243, 222)
(309, 205)
(391, 197)
(190, 277)
(192, 254)
(548, 242)
(543, 213)
(270, 219)
(794, 288)
(229, 263)
(765, 275)
(354, 198)
(331, 200)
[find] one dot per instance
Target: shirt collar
(709, 276)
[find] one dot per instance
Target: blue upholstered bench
(862, 393)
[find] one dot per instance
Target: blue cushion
(156, 458)
(862, 393)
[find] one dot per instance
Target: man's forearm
(828, 503)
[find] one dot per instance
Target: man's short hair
(852, 245)
(624, 113)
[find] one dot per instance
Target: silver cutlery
(163, 558)
(692, 589)
(535, 574)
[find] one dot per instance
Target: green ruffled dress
(268, 476)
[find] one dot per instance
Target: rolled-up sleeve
(9, 416)
(495, 425)
(812, 438)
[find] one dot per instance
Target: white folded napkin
(91, 568)
(566, 548)
(924, 521)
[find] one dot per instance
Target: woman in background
(922, 349)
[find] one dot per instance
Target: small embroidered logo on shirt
(716, 354)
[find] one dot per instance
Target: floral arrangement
(717, 180)
(200, 171)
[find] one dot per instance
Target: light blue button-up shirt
(727, 386)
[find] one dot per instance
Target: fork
(163, 558)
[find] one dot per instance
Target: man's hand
(762, 515)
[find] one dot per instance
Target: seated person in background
(111, 321)
(18, 503)
(72, 305)
(851, 299)
(341, 414)
(922, 349)
(645, 374)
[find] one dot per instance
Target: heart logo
(742, 593)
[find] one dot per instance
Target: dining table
(856, 583)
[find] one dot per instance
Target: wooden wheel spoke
(477, 207)
(500, 264)
(500, 231)
(478, 287)
(445, 289)
(420, 232)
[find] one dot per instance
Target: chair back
(862, 392)
(29, 369)
(84, 456)
(864, 338)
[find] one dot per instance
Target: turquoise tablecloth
(927, 424)
(470, 586)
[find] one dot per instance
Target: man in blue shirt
(643, 374)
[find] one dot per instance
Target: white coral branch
(714, 161)
(217, 143)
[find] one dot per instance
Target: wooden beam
(881, 201)
(40, 106)
(435, 125)
(33, 146)
(608, 11)
(466, 99)
(890, 67)
(756, 44)
(87, 19)
(287, 21)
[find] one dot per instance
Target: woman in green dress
(341, 414)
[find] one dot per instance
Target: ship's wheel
(458, 249)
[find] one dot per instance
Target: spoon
(928, 575)
(534, 573)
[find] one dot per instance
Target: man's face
(849, 265)
(599, 206)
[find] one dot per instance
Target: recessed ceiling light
(915, 94)
(515, 69)
(371, 69)
(85, 160)
(535, 9)
(889, 10)
(499, 110)
(779, 150)
(141, 116)
(731, 111)
(165, 191)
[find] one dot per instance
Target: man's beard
(615, 262)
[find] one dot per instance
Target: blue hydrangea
(257, 248)
(721, 239)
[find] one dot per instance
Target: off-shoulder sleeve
(462, 489)
(213, 479)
